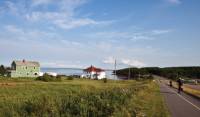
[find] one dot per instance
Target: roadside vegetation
(80, 98)
(188, 90)
(192, 92)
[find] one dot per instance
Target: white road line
(184, 99)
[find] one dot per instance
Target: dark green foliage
(95, 78)
(70, 78)
(48, 78)
(59, 76)
(175, 72)
(2, 70)
(169, 72)
(105, 80)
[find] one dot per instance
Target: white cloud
(40, 2)
(70, 43)
(74, 23)
(133, 36)
(36, 16)
(159, 32)
(17, 33)
(109, 60)
(63, 16)
(14, 29)
(49, 47)
(126, 62)
(132, 62)
(71, 5)
(11, 6)
(61, 64)
(141, 37)
(174, 1)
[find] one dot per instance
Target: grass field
(80, 98)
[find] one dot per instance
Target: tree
(2, 70)
(169, 72)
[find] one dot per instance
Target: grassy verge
(152, 102)
(191, 91)
(81, 97)
(186, 89)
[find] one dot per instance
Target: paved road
(179, 105)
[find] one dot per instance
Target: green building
(25, 69)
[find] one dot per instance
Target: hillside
(169, 72)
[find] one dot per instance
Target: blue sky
(78, 33)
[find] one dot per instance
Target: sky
(80, 33)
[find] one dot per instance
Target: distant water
(72, 71)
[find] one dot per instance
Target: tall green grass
(81, 98)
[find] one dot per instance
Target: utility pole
(129, 72)
(115, 72)
(139, 73)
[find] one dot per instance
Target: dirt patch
(7, 84)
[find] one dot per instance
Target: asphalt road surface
(179, 105)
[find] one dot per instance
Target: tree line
(169, 72)
(4, 70)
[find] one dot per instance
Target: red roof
(93, 69)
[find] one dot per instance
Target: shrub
(48, 78)
(70, 78)
(2, 70)
(105, 80)
(95, 78)
(42, 106)
(58, 78)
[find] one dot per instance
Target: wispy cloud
(17, 33)
(14, 29)
(124, 61)
(133, 62)
(63, 16)
(109, 60)
(174, 1)
(133, 36)
(62, 64)
(40, 2)
(10, 6)
(74, 23)
(159, 32)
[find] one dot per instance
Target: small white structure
(52, 74)
(41, 73)
(93, 73)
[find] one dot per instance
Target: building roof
(27, 63)
(93, 69)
